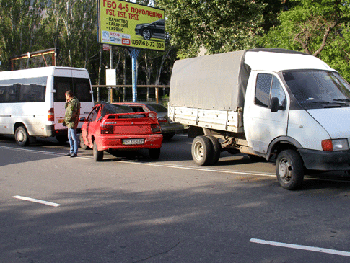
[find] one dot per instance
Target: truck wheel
(22, 136)
(202, 150)
(216, 149)
(154, 153)
(98, 155)
(289, 169)
(81, 142)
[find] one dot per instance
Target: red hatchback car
(116, 127)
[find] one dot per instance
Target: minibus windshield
(316, 89)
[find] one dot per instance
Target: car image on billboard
(149, 30)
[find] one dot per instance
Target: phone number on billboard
(150, 44)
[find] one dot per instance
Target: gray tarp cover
(210, 82)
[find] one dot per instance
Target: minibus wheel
(62, 139)
(22, 136)
(289, 169)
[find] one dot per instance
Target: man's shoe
(73, 155)
(68, 154)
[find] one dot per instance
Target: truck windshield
(316, 89)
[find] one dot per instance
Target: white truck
(276, 104)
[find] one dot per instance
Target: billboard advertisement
(131, 25)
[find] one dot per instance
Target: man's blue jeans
(73, 140)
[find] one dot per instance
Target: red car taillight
(156, 128)
(51, 115)
(106, 129)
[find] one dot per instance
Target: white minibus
(32, 101)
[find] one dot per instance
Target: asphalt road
(129, 208)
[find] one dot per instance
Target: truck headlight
(335, 145)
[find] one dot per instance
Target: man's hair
(69, 93)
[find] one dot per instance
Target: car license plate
(133, 141)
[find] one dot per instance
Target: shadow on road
(211, 222)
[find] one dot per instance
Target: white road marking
(29, 199)
(198, 168)
(38, 151)
(301, 247)
(171, 165)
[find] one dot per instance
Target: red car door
(92, 125)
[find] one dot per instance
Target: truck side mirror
(274, 104)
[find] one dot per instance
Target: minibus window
(61, 85)
(2, 94)
(82, 90)
(23, 90)
(31, 93)
(12, 93)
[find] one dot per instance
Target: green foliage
(217, 25)
(71, 26)
(317, 27)
(20, 28)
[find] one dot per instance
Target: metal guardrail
(112, 87)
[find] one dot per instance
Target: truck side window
(278, 92)
(267, 87)
(262, 89)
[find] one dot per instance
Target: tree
(20, 28)
(314, 27)
(217, 25)
(71, 26)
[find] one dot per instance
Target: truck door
(260, 123)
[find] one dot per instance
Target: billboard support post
(133, 26)
(110, 90)
(134, 54)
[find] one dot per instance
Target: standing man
(71, 120)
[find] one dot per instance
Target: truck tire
(202, 150)
(98, 155)
(216, 149)
(22, 136)
(289, 169)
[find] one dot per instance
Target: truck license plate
(133, 141)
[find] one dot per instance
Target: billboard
(131, 25)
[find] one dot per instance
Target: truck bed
(224, 120)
